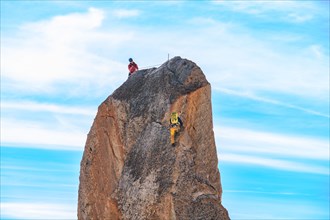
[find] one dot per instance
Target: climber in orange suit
(175, 126)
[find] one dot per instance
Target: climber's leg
(172, 131)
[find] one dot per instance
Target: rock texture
(129, 169)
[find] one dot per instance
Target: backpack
(174, 118)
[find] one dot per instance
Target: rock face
(129, 169)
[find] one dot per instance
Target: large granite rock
(129, 169)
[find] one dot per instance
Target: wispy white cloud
(21, 210)
(51, 108)
(246, 64)
(56, 127)
(262, 192)
(274, 163)
(60, 127)
(276, 151)
(202, 21)
(317, 50)
(80, 21)
(59, 168)
(29, 133)
(68, 49)
(269, 144)
(289, 11)
(233, 56)
(89, 56)
(126, 13)
(299, 18)
(252, 96)
(242, 210)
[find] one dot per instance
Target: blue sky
(267, 62)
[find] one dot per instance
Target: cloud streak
(298, 154)
(21, 210)
(50, 108)
(126, 13)
(50, 59)
(33, 134)
(270, 101)
(256, 142)
(274, 163)
(288, 11)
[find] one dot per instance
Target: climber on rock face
(175, 126)
(132, 67)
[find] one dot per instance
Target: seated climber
(132, 67)
(175, 125)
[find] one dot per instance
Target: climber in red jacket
(132, 67)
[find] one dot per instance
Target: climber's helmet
(130, 60)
